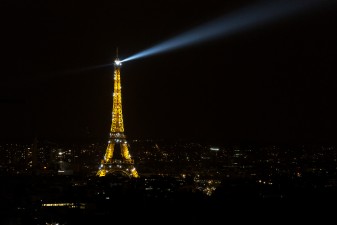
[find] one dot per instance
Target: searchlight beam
(247, 18)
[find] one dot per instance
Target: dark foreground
(92, 200)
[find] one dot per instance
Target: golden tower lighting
(117, 158)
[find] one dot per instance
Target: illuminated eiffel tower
(117, 159)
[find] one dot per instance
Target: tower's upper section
(117, 125)
(117, 62)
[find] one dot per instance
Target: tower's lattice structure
(117, 158)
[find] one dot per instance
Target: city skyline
(273, 83)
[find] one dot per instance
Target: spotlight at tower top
(118, 62)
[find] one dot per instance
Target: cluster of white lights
(118, 62)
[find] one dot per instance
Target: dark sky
(272, 83)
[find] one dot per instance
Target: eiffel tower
(117, 159)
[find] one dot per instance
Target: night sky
(272, 83)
